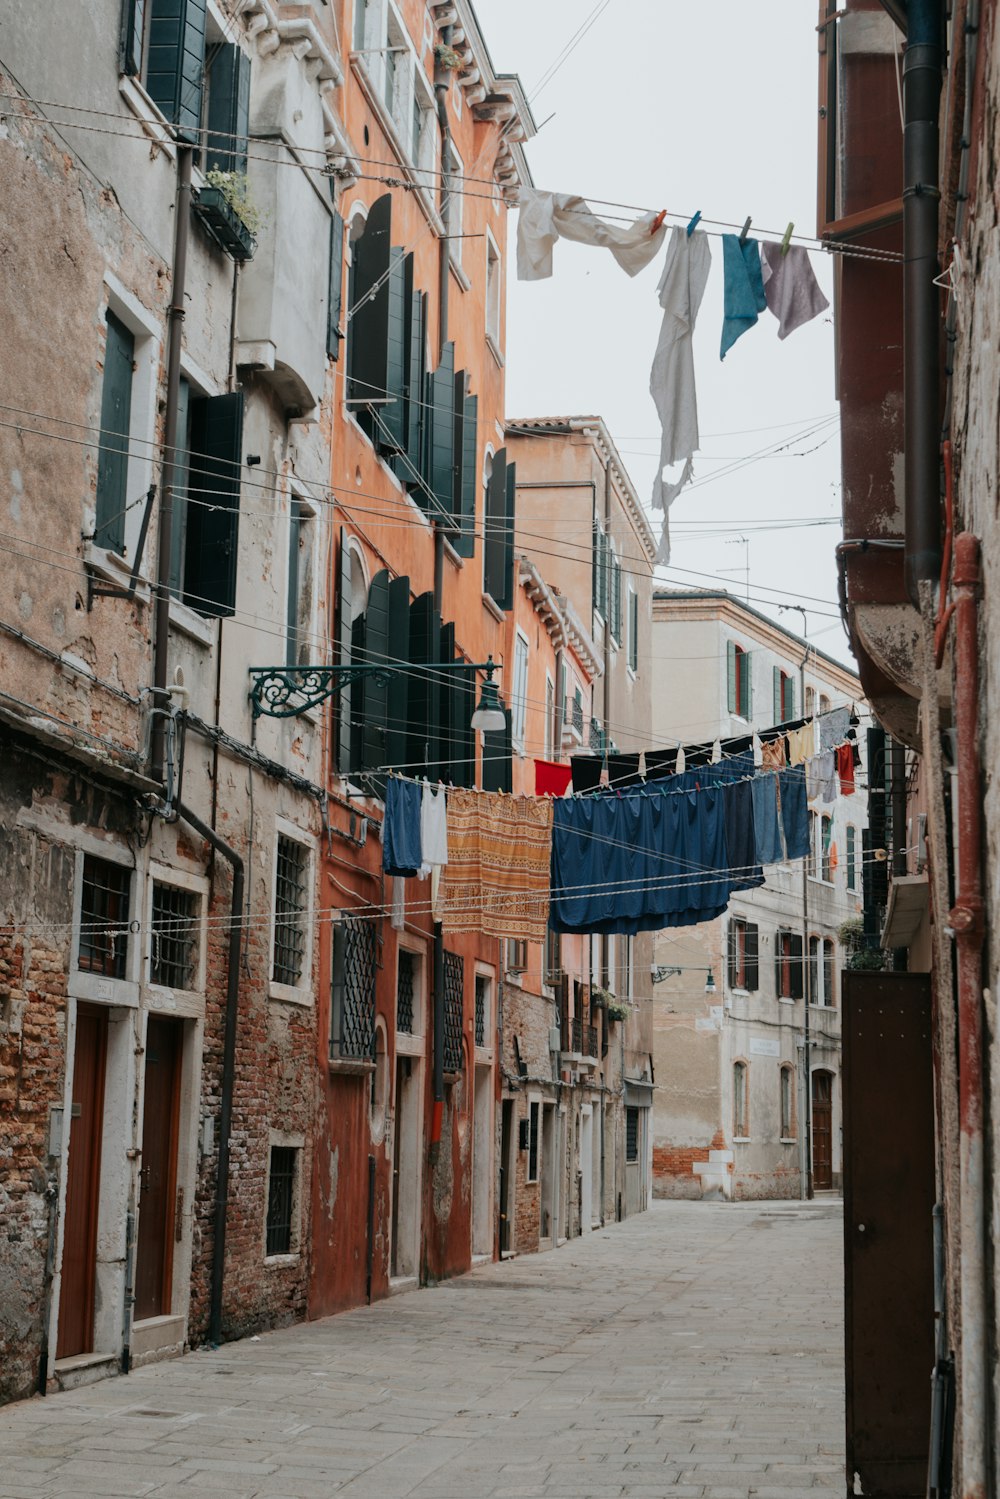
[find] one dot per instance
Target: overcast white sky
(671, 105)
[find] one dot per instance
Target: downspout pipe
(967, 923)
(228, 1064)
(921, 321)
(175, 323)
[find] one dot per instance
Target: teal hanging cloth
(743, 295)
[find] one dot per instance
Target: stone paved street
(694, 1350)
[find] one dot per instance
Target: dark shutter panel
(494, 550)
(633, 632)
(133, 22)
(465, 542)
(731, 697)
(376, 694)
(747, 693)
(342, 631)
(731, 973)
(616, 599)
(506, 598)
(790, 697)
(463, 707)
(778, 985)
(458, 466)
(440, 446)
(369, 313)
(425, 687)
(776, 681)
(355, 754)
(396, 737)
(447, 723)
(214, 515)
(797, 966)
(390, 425)
(334, 301)
(228, 111)
(752, 962)
(498, 749)
(175, 63)
(408, 466)
(112, 459)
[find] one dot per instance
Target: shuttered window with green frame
(112, 456)
(175, 63)
(215, 471)
(226, 144)
(468, 476)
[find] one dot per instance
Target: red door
(158, 1176)
(83, 1180)
(822, 1130)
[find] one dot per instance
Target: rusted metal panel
(888, 1237)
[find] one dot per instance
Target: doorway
(586, 1169)
(506, 1174)
(822, 1131)
(406, 1135)
(549, 1184)
(83, 1176)
(482, 1163)
(154, 1260)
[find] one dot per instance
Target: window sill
(153, 122)
(493, 608)
(350, 1066)
(785, 999)
(459, 274)
(495, 350)
(195, 626)
(742, 1140)
(817, 879)
(289, 995)
(787, 1140)
(114, 568)
(276, 1261)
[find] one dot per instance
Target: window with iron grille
(631, 1133)
(290, 898)
(454, 984)
(352, 999)
(279, 1237)
(104, 918)
(174, 946)
(406, 964)
(482, 1007)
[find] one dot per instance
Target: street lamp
(658, 972)
(287, 691)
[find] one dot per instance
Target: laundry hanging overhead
(545, 217)
(496, 880)
(671, 379)
(743, 289)
(791, 290)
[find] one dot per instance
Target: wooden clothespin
(692, 226)
(658, 221)
(744, 232)
(788, 235)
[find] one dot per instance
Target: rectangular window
(112, 456)
(298, 603)
(352, 989)
(829, 972)
(615, 597)
(852, 857)
(739, 697)
(281, 1193)
(740, 1112)
(788, 966)
(534, 1109)
(743, 962)
(453, 184)
(784, 695)
(631, 1133)
(550, 717)
(290, 904)
(174, 937)
(826, 853)
(406, 963)
(519, 697)
(494, 292)
(633, 630)
(787, 1095)
(482, 1009)
(517, 955)
(104, 918)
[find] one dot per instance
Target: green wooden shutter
(334, 300)
(408, 465)
(390, 425)
(797, 966)
(731, 965)
(747, 685)
(616, 599)
(752, 960)
(447, 723)
(790, 696)
(465, 542)
(424, 708)
(440, 445)
(633, 632)
(376, 694)
(368, 329)
(228, 111)
(133, 24)
(776, 680)
(342, 633)
(506, 599)
(457, 469)
(182, 479)
(397, 720)
(213, 522)
(355, 753)
(463, 696)
(731, 699)
(494, 520)
(175, 63)
(112, 458)
(498, 750)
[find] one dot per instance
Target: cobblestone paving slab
(695, 1350)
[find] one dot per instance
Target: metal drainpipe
(966, 920)
(175, 323)
(921, 319)
(228, 1065)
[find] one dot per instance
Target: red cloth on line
(845, 768)
(551, 779)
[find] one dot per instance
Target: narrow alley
(694, 1350)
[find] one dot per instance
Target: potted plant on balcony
(229, 214)
(616, 1009)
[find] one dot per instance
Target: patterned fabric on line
(496, 880)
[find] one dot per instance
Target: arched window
(741, 1112)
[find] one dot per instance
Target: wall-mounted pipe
(967, 923)
(921, 321)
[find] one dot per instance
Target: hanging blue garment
(743, 293)
(695, 885)
(794, 811)
(744, 866)
(402, 853)
(766, 820)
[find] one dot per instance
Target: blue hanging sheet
(794, 811)
(744, 866)
(766, 820)
(401, 845)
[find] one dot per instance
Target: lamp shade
(489, 715)
(710, 983)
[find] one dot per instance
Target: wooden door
(158, 1176)
(397, 1150)
(83, 1181)
(822, 1130)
